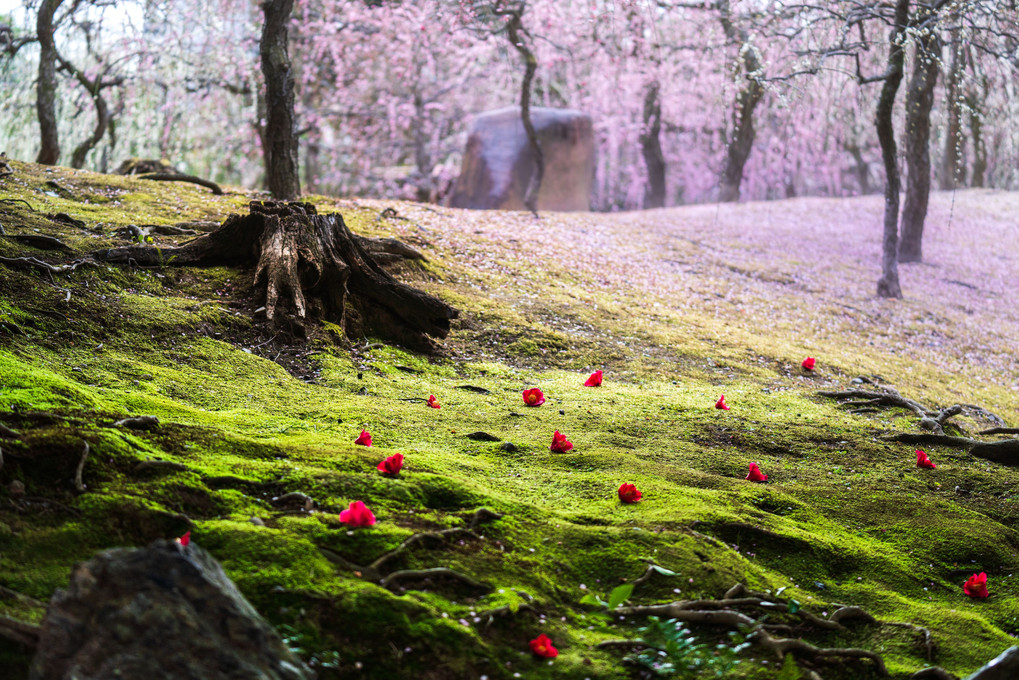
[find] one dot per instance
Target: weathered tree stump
(311, 266)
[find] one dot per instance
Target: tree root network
(393, 580)
(933, 422)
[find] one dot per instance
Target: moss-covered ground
(845, 517)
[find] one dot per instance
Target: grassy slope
(845, 517)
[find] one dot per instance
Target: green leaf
(794, 606)
(663, 571)
(591, 598)
(619, 595)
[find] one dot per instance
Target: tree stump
(311, 266)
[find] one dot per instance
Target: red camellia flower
(976, 585)
(559, 443)
(185, 540)
(534, 397)
(628, 493)
(357, 515)
(391, 465)
(721, 403)
(433, 402)
(594, 380)
(756, 475)
(364, 439)
(808, 363)
(542, 646)
(923, 461)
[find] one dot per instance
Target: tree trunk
(953, 169)
(651, 146)
(94, 87)
(513, 30)
(976, 128)
(46, 85)
(919, 101)
(742, 141)
(311, 266)
(888, 284)
(280, 134)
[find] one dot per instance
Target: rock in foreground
(162, 612)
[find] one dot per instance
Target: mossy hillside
(841, 508)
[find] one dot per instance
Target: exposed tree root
(151, 465)
(139, 423)
(26, 634)
(177, 177)
(40, 241)
(392, 581)
(138, 233)
(8, 432)
(51, 269)
(729, 612)
(311, 265)
(1004, 451)
(933, 673)
(79, 485)
(374, 571)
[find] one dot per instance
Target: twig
(78, 484)
(18, 200)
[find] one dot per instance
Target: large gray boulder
(1003, 667)
(165, 612)
(498, 161)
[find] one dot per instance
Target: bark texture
(280, 138)
(312, 266)
(919, 101)
(651, 147)
(46, 84)
(888, 285)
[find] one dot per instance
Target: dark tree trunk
(94, 87)
(651, 146)
(46, 85)
(953, 169)
(888, 284)
(861, 168)
(919, 101)
(742, 141)
(513, 32)
(311, 266)
(280, 139)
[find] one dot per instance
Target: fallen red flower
(756, 475)
(594, 380)
(559, 443)
(976, 585)
(923, 461)
(534, 397)
(185, 540)
(357, 515)
(721, 403)
(391, 465)
(433, 402)
(364, 439)
(628, 493)
(542, 646)
(808, 363)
